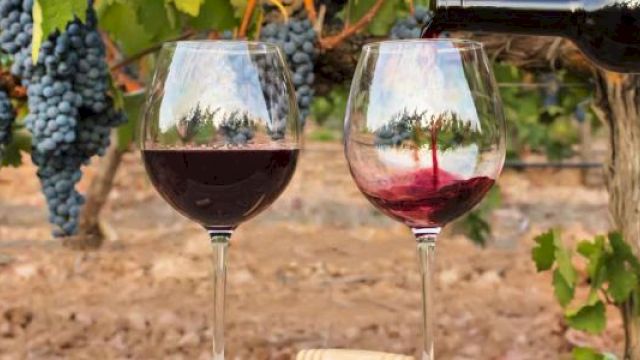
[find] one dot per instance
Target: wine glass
(220, 138)
(424, 139)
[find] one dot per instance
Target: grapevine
(70, 111)
(298, 40)
(411, 26)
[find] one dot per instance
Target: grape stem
(331, 42)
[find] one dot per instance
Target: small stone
(26, 271)
(137, 321)
(489, 278)
(448, 277)
(189, 339)
(6, 259)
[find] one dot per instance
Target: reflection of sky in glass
(419, 78)
(215, 78)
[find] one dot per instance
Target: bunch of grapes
(7, 116)
(71, 112)
(411, 26)
(298, 40)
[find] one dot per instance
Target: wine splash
(419, 200)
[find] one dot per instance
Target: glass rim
(223, 46)
(460, 44)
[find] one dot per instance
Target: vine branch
(331, 42)
(148, 51)
(246, 18)
(311, 10)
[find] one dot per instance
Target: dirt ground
(320, 268)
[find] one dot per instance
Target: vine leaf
(133, 104)
(239, 6)
(215, 14)
(563, 290)
(623, 250)
(589, 318)
(544, 253)
(621, 280)
(582, 353)
(385, 18)
(190, 7)
(120, 21)
(565, 267)
(52, 15)
(12, 153)
(596, 255)
(155, 16)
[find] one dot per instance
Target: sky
(207, 76)
(413, 77)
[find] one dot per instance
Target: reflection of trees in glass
(446, 129)
(190, 124)
(237, 128)
(399, 129)
(198, 126)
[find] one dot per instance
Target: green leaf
(476, 228)
(623, 250)
(563, 290)
(565, 267)
(52, 15)
(239, 7)
(12, 153)
(596, 255)
(586, 248)
(582, 353)
(544, 253)
(121, 22)
(621, 281)
(133, 103)
(190, 7)
(154, 16)
(589, 318)
(216, 15)
(384, 19)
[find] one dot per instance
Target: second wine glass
(424, 139)
(220, 140)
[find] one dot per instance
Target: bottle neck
(527, 17)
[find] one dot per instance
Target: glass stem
(220, 246)
(427, 255)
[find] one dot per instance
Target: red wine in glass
(220, 188)
(422, 199)
(607, 31)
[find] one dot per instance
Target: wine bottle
(607, 31)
